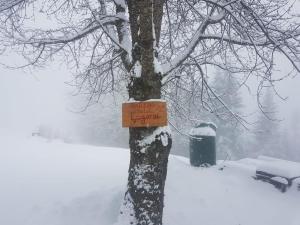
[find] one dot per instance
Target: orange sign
(144, 114)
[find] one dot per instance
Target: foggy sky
(29, 98)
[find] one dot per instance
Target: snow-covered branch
(6, 5)
(123, 33)
(63, 39)
(182, 56)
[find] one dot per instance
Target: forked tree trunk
(149, 147)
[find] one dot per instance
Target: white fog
(149, 112)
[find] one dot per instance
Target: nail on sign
(144, 114)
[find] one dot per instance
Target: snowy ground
(52, 183)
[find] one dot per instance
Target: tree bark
(149, 146)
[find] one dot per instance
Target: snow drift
(52, 183)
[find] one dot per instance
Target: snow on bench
(280, 180)
(280, 173)
(280, 168)
(297, 183)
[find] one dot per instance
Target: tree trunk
(144, 199)
(149, 146)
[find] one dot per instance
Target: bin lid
(204, 129)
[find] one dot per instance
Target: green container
(203, 145)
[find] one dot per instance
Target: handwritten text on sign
(144, 114)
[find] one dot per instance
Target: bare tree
(155, 48)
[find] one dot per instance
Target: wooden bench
(280, 173)
(280, 182)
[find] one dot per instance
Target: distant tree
(146, 45)
(229, 131)
(227, 98)
(93, 124)
(267, 135)
(294, 134)
(289, 141)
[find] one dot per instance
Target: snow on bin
(203, 145)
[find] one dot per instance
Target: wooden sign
(144, 114)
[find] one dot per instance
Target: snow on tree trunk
(149, 146)
(144, 199)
